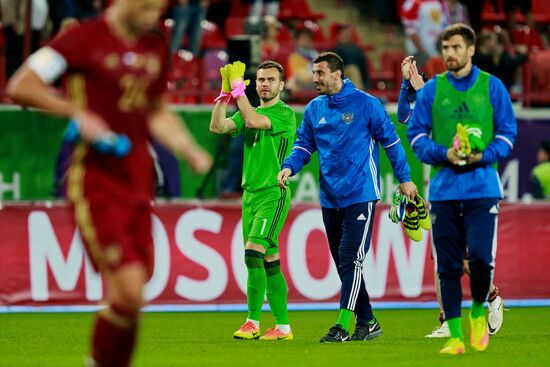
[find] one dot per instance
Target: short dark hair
(269, 64)
(460, 29)
(333, 60)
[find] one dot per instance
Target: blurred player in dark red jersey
(116, 70)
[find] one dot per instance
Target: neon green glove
(226, 85)
(236, 74)
(225, 94)
(474, 137)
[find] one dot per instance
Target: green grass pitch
(205, 339)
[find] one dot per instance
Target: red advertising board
(199, 257)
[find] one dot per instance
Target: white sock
(256, 323)
(283, 328)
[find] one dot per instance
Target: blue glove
(111, 143)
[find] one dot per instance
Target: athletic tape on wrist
(238, 89)
(224, 97)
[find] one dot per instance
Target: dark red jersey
(120, 81)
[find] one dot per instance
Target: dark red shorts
(115, 233)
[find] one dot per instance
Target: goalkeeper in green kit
(269, 133)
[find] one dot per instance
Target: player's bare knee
(271, 258)
(255, 247)
(131, 298)
(127, 286)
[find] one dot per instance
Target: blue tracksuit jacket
(345, 129)
(483, 181)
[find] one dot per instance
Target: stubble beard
(269, 97)
(459, 67)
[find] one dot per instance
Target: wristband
(223, 98)
(238, 89)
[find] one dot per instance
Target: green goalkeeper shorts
(264, 214)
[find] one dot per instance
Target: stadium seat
(184, 78)
(239, 9)
(390, 63)
(298, 9)
(537, 79)
(434, 65)
(284, 37)
(234, 26)
(212, 37)
(541, 7)
(491, 16)
(523, 35)
(386, 81)
(211, 63)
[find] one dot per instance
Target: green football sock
(256, 283)
(277, 292)
(455, 326)
(345, 318)
(477, 310)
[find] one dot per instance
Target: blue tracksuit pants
(349, 235)
(459, 226)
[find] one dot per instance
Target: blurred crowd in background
(372, 37)
(512, 39)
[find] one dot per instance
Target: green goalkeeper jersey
(265, 150)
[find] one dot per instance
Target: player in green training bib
(269, 133)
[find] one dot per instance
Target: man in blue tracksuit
(345, 125)
(412, 83)
(464, 187)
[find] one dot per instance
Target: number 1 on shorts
(263, 226)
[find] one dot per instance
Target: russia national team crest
(347, 117)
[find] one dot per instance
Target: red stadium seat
(284, 35)
(387, 81)
(491, 16)
(523, 35)
(298, 9)
(239, 9)
(212, 37)
(435, 65)
(390, 62)
(541, 7)
(184, 78)
(536, 76)
(234, 26)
